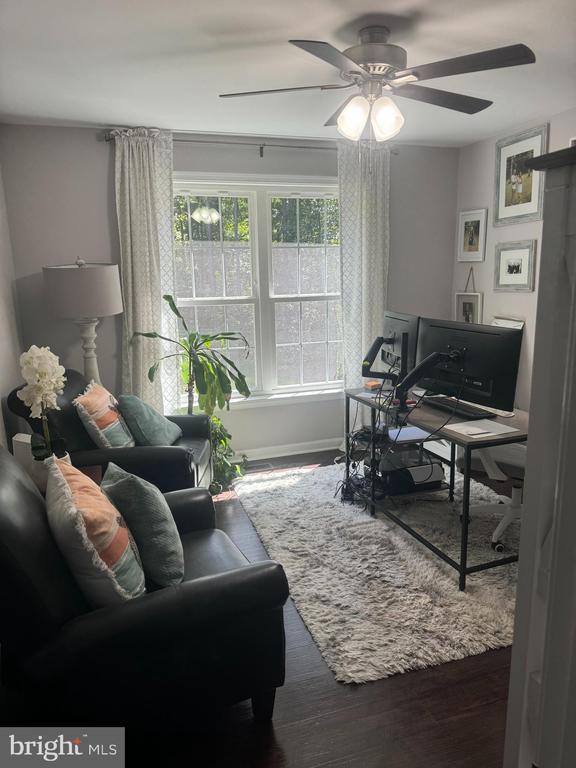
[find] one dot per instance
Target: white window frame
(260, 190)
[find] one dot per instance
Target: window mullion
(267, 318)
(190, 246)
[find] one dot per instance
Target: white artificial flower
(44, 377)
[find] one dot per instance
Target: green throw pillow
(147, 426)
(150, 522)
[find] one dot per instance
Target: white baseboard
(290, 449)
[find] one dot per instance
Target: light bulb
(352, 120)
(386, 119)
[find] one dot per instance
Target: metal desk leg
(465, 518)
(347, 438)
(372, 460)
(452, 471)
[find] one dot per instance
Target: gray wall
(60, 203)
(276, 161)
(60, 200)
(422, 204)
(476, 190)
(9, 337)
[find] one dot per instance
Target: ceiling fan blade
(509, 56)
(327, 87)
(333, 119)
(330, 55)
(468, 104)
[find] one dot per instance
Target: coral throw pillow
(92, 536)
(98, 410)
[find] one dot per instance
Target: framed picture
(468, 307)
(471, 235)
(519, 193)
(514, 266)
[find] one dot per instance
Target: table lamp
(84, 292)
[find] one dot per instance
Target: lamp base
(87, 328)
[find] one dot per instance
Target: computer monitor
(487, 368)
(400, 335)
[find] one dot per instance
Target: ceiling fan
(374, 67)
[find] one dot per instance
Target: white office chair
(514, 460)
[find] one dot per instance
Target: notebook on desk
(480, 428)
(408, 435)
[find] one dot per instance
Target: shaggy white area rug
(375, 600)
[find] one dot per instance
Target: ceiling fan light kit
(353, 118)
(386, 119)
(374, 66)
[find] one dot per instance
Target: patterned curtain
(364, 183)
(144, 210)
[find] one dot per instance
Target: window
(213, 273)
(305, 266)
(270, 269)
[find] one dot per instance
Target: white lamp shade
(352, 120)
(386, 119)
(83, 291)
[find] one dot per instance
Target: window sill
(277, 399)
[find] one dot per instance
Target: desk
(433, 420)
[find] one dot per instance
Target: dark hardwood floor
(449, 716)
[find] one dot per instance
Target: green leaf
(238, 377)
(152, 371)
(199, 375)
(226, 335)
(224, 380)
(172, 304)
(154, 335)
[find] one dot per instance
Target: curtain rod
(257, 144)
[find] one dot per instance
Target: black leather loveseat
(215, 639)
(186, 464)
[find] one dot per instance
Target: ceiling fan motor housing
(374, 54)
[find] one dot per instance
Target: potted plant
(206, 370)
(44, 377)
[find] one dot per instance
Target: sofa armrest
(158, 627)
(197, 425)
(169, 467)
(192, 509)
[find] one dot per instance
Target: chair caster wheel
(498, 546)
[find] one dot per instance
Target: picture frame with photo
(514, 266)
(471, 235)
(468, 307)
(519, 191)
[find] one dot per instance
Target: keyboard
(462, 410)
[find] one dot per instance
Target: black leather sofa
(186, 464)
(215, 639)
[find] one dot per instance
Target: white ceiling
(163, 62)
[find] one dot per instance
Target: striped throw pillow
(92, 536)
(98, 410)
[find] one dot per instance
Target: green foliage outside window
(305, 220)
(234, 222)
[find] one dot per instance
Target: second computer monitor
(485, 371)
(400, 340)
